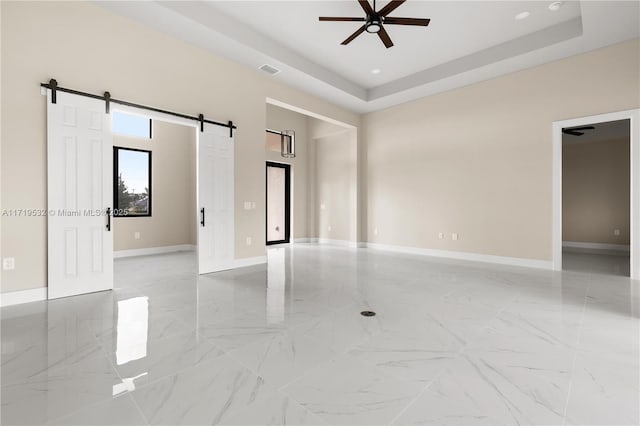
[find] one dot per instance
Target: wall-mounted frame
(132, 184)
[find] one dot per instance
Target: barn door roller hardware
(53, 86)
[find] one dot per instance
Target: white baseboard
(596, 246)
(342, 243)
(153, 250)
(249, 261)
(474, 257)
(24, 296)
(304, 240)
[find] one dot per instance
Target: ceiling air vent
(269, 69)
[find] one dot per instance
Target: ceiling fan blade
(354, 35)
(407, 21)
(366, 7)
(390, 7)
(384, 36)
(339, 19)
(582, 128)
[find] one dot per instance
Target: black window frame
(287, 202)
(116, 208)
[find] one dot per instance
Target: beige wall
(595, 191)
(173, 190)
(282, 119)
(336, 171)
(88, 48)
(478, 160)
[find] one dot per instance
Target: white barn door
(215, 199)
(79, 192)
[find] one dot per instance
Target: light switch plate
(454, 236)
(616, 232)
(136, 235)
(441, 235)
(249, 241)
(247, 205)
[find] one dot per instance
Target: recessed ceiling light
(522, 15)
(376, 71)
(555, 6)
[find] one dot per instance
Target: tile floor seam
(95, 402)
(460, 353)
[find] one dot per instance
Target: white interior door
(216, 231)
(79, 192)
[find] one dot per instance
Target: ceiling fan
(576, 131)
(374, 21)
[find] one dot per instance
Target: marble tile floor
(453, 342)
(606, 262)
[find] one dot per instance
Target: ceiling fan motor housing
(374, 24)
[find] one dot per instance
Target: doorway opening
(155, 212)
(278, 201)
(92, 194)
(589, 198)
(596, 198)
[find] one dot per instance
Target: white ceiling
(450, 35)
(466, 41)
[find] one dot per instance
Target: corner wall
(477, 161)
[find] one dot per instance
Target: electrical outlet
(454, 236)
(249, 241)
(375, 231)
(253, 205)
(616, 232)
(322, 206)
(136, 235)
(441, 235)
(247, 205)
(9, 263)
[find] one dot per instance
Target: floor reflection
(276, 284)
(133, 329)
(605, 262)
(127, 385)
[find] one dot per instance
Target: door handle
(202, 216)
(109, 219)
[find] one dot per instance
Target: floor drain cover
(367, 313)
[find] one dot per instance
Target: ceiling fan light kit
(374, 21)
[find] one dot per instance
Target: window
(131, 125)
(131, 182)
(272, 142)
(274, 139)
